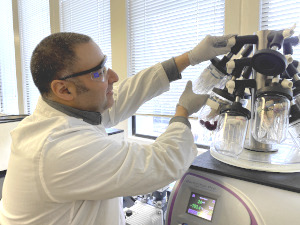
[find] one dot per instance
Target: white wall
(119, 46)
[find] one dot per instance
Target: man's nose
(112, 76)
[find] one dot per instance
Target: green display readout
(201, 206)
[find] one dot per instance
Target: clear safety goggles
(98, 73)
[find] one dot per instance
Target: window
(281, 14)
(26, 23)
(158, 30)
(34, 25)
(8, 82)
(92, 19)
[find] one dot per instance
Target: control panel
(201, 199)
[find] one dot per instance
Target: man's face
(92, 95)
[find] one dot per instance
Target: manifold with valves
(254, 101)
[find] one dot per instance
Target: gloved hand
(190, 101)
(210, 47)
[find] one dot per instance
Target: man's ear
(63, 90)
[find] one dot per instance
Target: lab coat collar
(93, 118)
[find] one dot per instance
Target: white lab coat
(64, 171)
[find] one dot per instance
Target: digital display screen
(201, 206)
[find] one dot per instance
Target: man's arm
(189, 103)
(182, 62)
(153, 81)
(207, 49)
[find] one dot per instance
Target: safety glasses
(98, 73)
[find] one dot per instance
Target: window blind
(8, 82)
(34, 25)
(158, 30)
(281, 14)
(88, 17)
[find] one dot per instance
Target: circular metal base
(285, 160)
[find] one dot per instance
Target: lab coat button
(128, 213)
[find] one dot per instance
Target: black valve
(247, 72)
(242, 40)
(295, 63)
(247, 50)
(239, 66)
(288, 43)
(240, 86)
(275, 38)
(291, 70)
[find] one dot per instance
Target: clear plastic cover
(271, 119)
(294, 131)
(230, 135)
(209, 114)
(210, 77)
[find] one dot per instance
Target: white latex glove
(190, 101)
(210, 47)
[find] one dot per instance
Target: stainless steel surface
(262, 44)
(262, 39)
(251, 143)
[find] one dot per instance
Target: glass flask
(294, 125)
(210, 77)
(230, 135)
(294, 131)
(208, 115)
(271, 119)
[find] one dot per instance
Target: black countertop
(286, 181)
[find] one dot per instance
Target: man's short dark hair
(53, 55)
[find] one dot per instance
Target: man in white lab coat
(63, 169)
